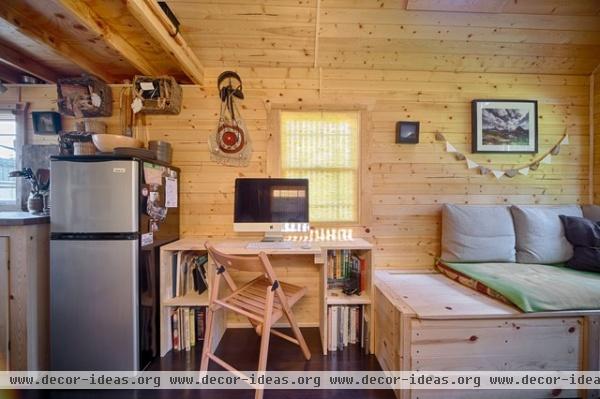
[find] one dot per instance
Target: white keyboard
(270, 245)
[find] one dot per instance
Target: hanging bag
(230, 144)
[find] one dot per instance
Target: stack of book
(188, 325)
(346, 326)
(343, 266)
(189, 273)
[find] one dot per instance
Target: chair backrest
(251, 263)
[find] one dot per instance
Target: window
(323, 147)
(8, 158)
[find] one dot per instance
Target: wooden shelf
(191, 299)
(337, 297)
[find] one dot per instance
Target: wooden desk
(298, 265)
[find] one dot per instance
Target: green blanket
(537, 288)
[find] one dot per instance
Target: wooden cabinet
(24, 296)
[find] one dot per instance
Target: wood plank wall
(596, 122)
(406, 184)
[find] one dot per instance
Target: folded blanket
(530, 287)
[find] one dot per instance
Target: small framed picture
(407, 132)
(504, 126)
(46, 122)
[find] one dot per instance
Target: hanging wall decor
(46, 122)
(545, 159)
(504, 126)
(85, 96)
(407, 132)
(156, 95)
(230, 144)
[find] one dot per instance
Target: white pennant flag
(524, 171)
(547, 159)
(498, 173)
(450, 147)
(471, 164)
(565, 140)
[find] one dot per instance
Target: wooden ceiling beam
(100, 26)
(19, 61)
(152, 18)
(8, 74)
(24, 20)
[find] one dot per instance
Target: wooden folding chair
(263, 301)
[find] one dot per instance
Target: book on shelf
(175, 330)
(188, 325)
(346, 270)
(346, 326)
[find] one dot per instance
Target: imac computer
(269, 205)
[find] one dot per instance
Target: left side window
(8, 158)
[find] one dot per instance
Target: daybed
(509, 304)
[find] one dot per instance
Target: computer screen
(271, 201)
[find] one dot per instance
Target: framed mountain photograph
(504, 126)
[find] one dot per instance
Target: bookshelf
(191, 299)
(333, 296)
(315, 308)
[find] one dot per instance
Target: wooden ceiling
(108, 37)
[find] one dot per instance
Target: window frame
(20, 112)
(273, 159)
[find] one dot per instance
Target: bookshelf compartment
(188, 327)
(348, 325)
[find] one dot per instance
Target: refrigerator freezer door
(94, 197)
(94, 305)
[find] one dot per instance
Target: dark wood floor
(240, 348)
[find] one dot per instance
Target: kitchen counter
(22, 219)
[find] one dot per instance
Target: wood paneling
(102, 36)
(595, 116)
(405, 184)
(558, 36)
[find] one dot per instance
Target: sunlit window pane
(8, 192)
(323, 147)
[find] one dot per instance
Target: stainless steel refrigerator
(109, 216)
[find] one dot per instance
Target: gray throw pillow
(591, 212)
(540, 233)
(472, 233)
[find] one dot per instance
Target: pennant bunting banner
(471, 164)
(498, 173)
(512, 172)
